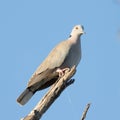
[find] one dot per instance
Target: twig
(51, 96)
(85, 111)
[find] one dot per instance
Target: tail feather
(25, 96)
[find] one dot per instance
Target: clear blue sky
(30, 29)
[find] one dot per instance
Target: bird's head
(77, 30)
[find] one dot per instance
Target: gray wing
(55, 59)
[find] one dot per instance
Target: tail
(25, 96)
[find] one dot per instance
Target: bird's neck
(75, 39)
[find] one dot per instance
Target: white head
(77, 30)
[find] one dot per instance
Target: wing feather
(55, 59)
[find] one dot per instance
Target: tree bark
(54, 92)
(85, 112)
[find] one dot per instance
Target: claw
(62, 71)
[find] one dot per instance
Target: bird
(62, 57)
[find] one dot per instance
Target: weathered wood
(51, 95)
(85, 112)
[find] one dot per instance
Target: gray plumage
(65, 55)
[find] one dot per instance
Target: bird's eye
(76, 28)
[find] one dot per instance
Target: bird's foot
(62, 71)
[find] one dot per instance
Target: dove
(63, 57)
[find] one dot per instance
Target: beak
(83, 30)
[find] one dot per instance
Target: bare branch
(85, 111)
(51, 96)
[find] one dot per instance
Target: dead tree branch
(85, 111)
(54, 92)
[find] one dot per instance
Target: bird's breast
(74, 56)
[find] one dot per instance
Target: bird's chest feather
(73, 57)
